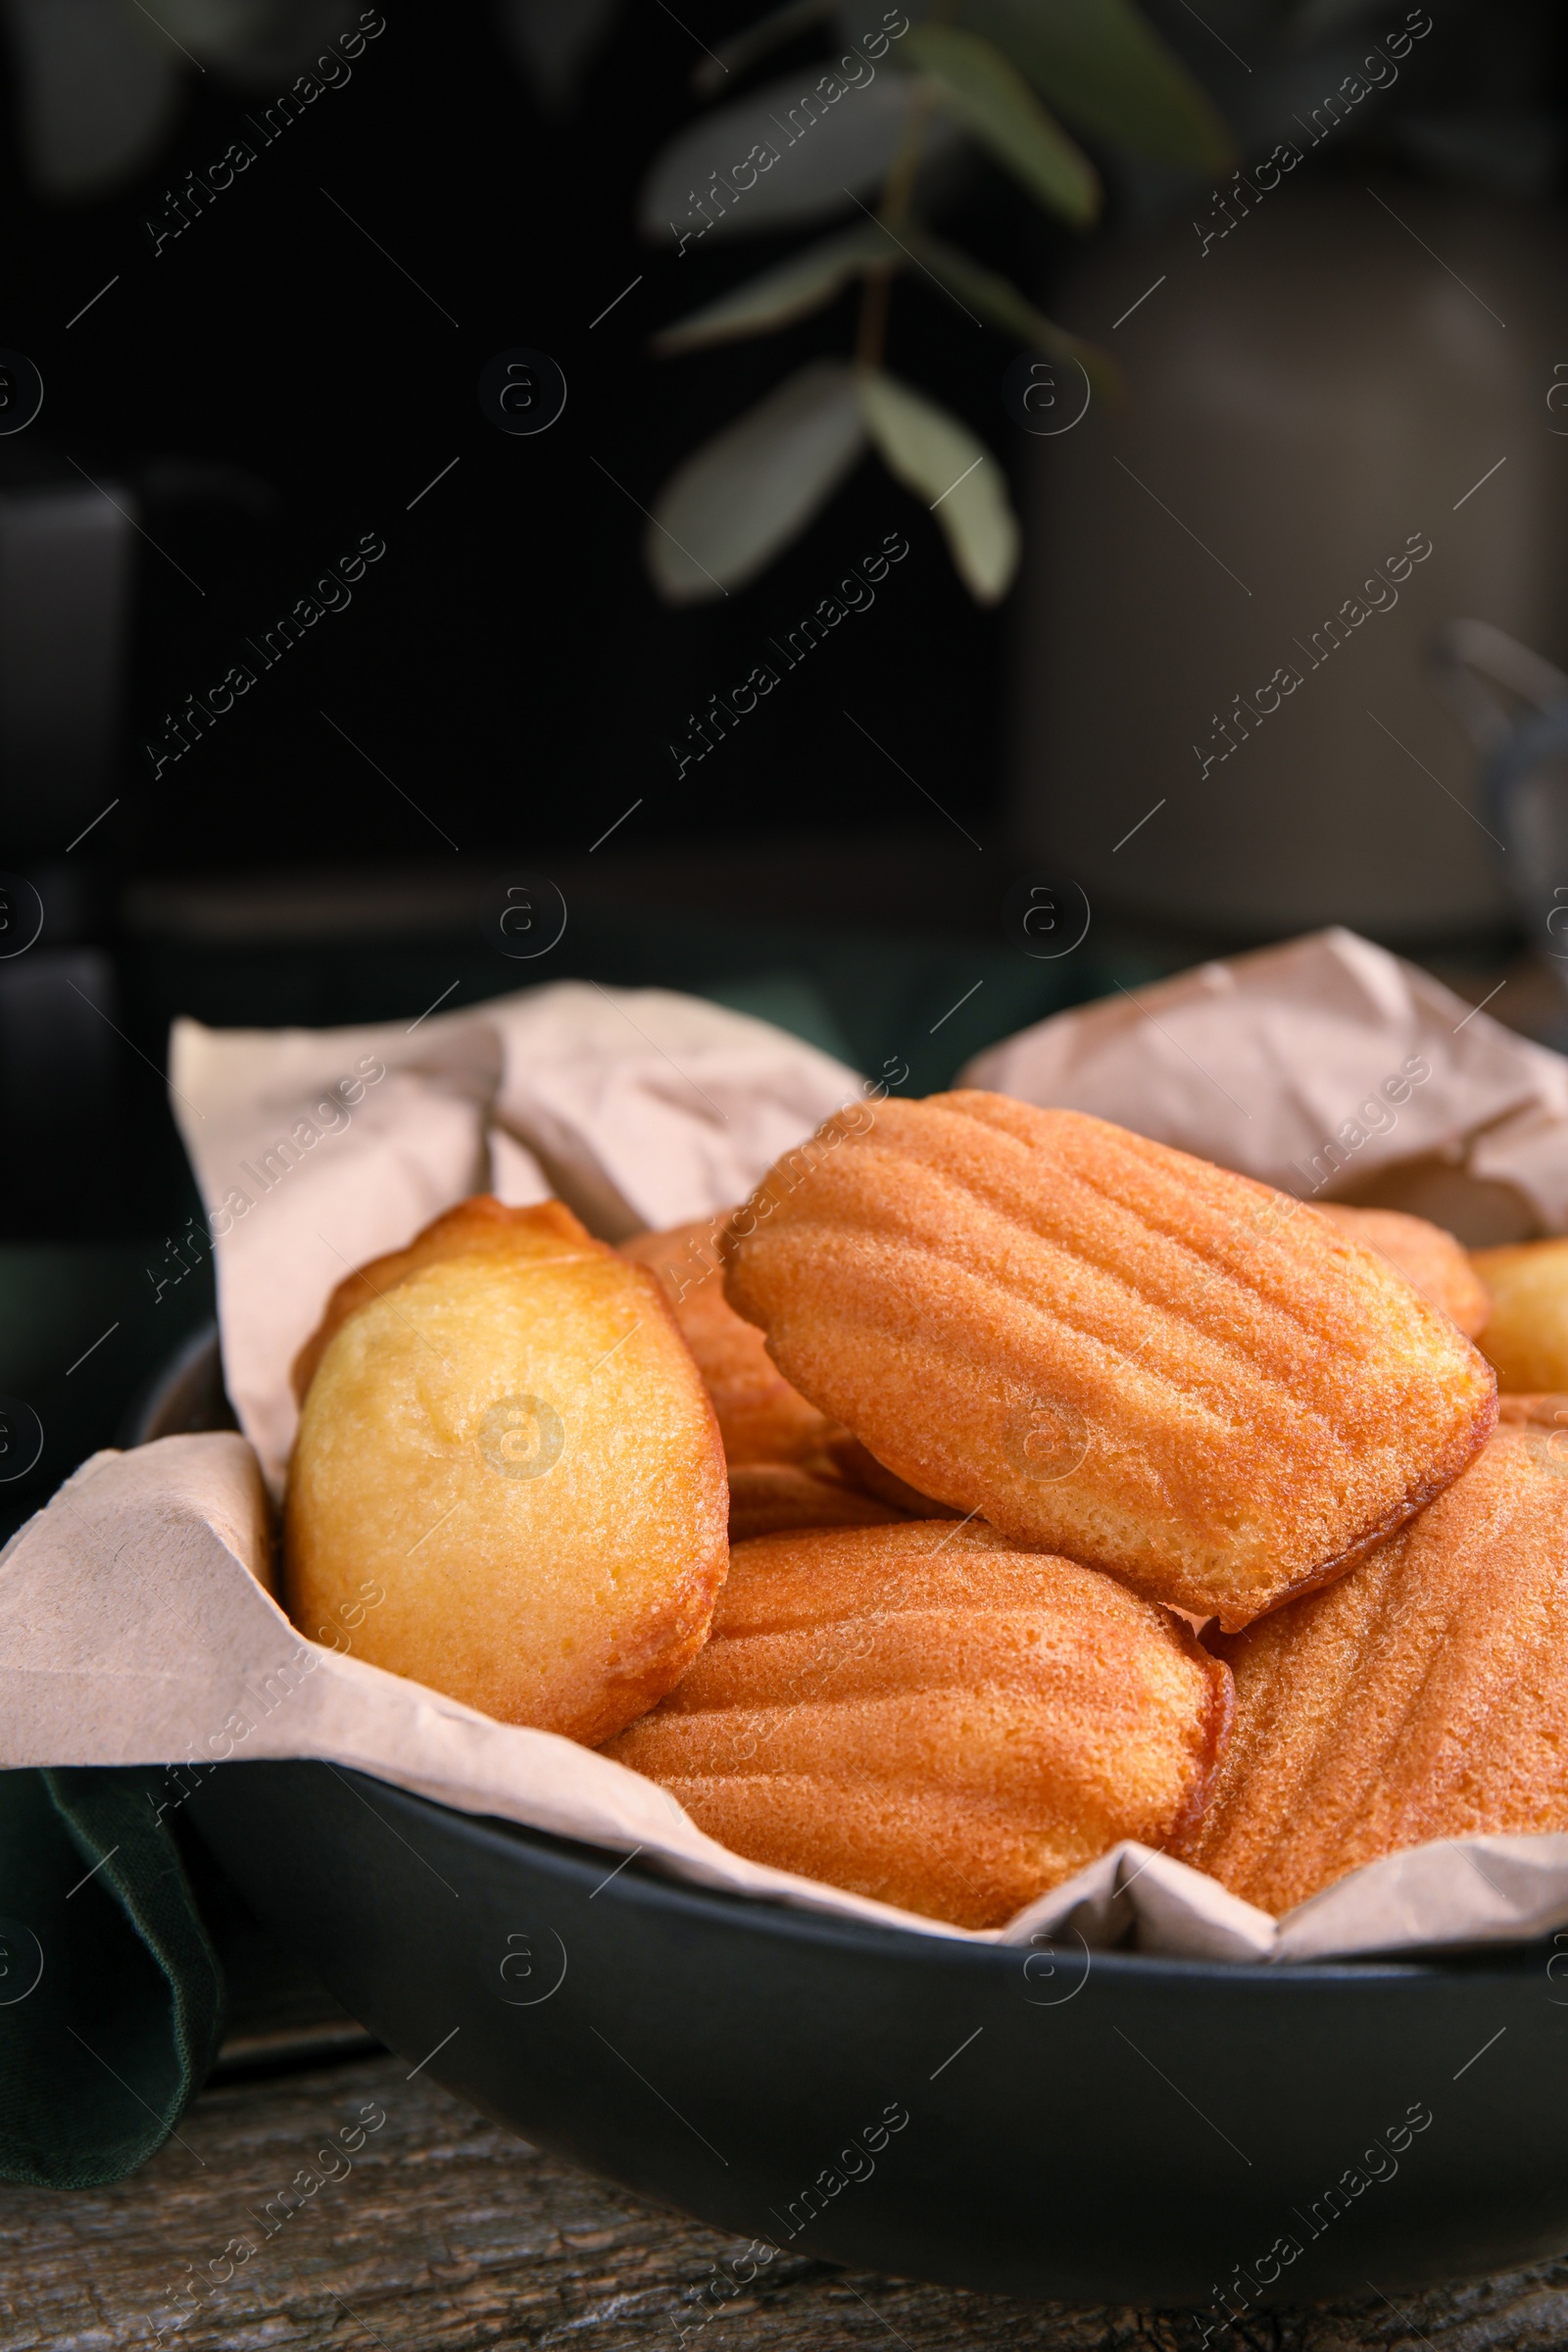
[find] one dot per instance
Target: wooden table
(446, 2232)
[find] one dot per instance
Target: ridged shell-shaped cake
(769, 1498)
(789, 1465)
(1111, 1349)
(1425, 1696)
(760, 1417)
(920, 1714)
(1439, 1265)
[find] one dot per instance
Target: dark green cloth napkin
(111, 1995)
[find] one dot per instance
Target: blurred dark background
(229, 413)
(508, 661)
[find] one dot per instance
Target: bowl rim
(200, 1349)
(653, 1889)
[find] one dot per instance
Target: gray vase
(1338, 439)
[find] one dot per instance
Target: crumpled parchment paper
(137, 1619)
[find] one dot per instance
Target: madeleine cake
(770, 1499)
(1109, 1348)
(760, 1417)
(789, 1465)
(850, 1459)
(478, 1227)
(1526, 1336)
(504, 1427)
(1424, 1695)
(921, 1714)
(1436, 1262)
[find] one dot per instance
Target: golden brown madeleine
(789, 1465)
(1109, 1348)
(1526, 1336)
(1424, 1695)
(770, 1499)
(863, 1469)
(1436, 1262)
(762, 1418)
(512, 1444)
(921, 1714)
(479, 1226)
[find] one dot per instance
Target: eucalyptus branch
(752, 488)
(871, 336)
(897, 190)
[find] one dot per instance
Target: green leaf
(1110, 72)
(992, 100)
(804, 283)
(790, 152)
(939, 459)
(780, 296)
(1000, 303)
(743, 50)
(724, 516)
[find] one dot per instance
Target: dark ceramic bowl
(1101, 2128)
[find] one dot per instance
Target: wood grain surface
(444, 2232)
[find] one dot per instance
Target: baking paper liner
(137, 1624)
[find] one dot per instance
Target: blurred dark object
(1514, 706)
(1477, 105)
(869, 944)
(99, 97)
(66, 579)
(74, 625)
(59, 1080)
(874, 947)
(73, 620)
(1340, 435)
(61, 1063)
(85, 1326)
